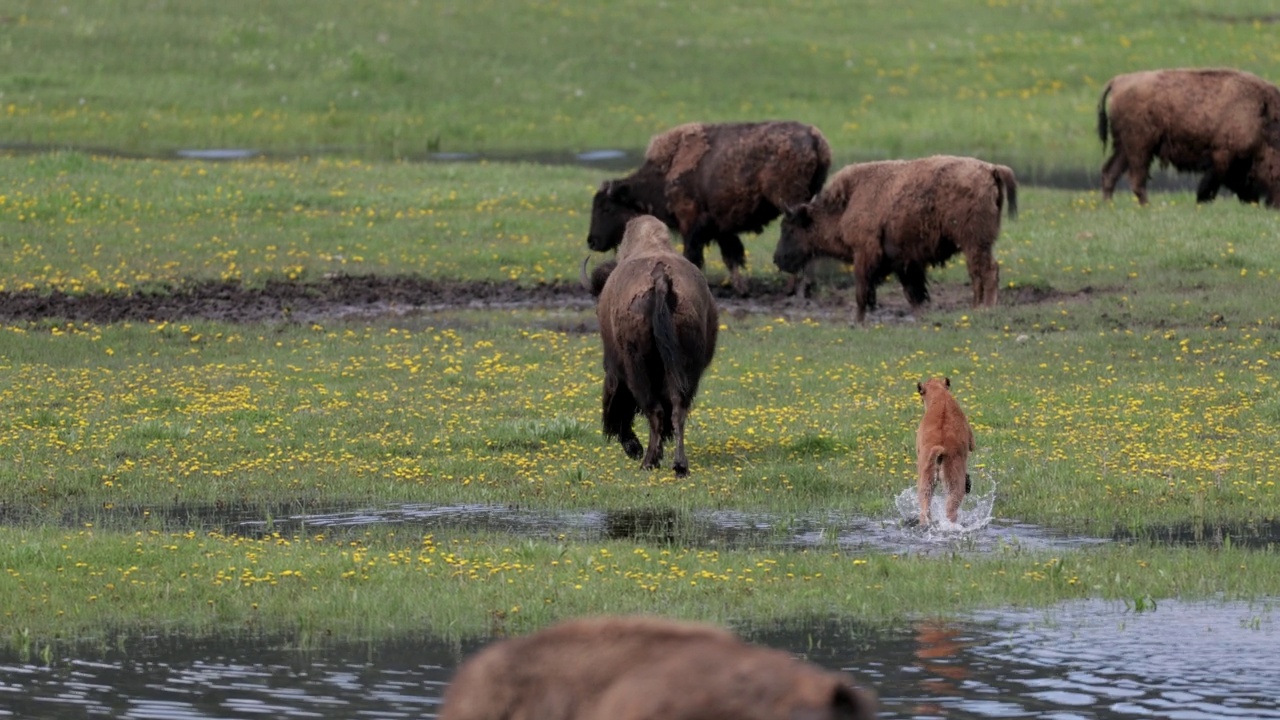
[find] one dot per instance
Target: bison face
(795, 244)
(611, 210)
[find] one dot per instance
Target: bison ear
(947, 381)
(800, 215)
(920, 389)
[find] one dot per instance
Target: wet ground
(369, 296)
(1086, 659)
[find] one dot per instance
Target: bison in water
(901, 216)
(1224, 123)
(658, 323)
(711, 182)
(638, 668)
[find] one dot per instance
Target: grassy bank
(387, 80)
(87, 583)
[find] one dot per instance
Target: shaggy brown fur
(637, 668)
(658, 324)
(1224, 123)
(901, 216)
(943, 443)
(711, 182)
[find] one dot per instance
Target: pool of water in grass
(1088, 659)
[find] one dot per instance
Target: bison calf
(658, 325)
(943, 443)
(1224, 123)
(711, 182)
(899, 217)
(637, 668)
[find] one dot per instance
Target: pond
(1088, 659)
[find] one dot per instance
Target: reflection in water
(1086, 659)
(938, 656)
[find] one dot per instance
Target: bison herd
(658, 324)
(711, 182)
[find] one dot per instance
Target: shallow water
(977, 530)
(1088, 659)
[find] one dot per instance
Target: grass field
(1127, 380)
(1016, 81)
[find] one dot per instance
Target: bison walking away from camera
(638, 668)
(658, 323)
(1224, 123)
(711, 182)
(898, 217)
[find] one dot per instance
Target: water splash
(975, 509)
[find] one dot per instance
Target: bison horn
(582, 276)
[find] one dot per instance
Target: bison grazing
(658, 323)
(638, 668)
(711, 182)
(901, 216)
(1224, 123)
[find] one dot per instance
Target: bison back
(1183, 116)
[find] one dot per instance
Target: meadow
(1015, 81)
(1126, 382)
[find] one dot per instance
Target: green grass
(1017, 81)
(84, 584)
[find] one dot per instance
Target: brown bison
(899, 217)
(638, 668)
(1224, 123)
(658, 323)
(711, 182)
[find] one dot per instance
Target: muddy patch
(358, 297)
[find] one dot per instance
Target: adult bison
(642, 668)
(711, 182)
(899, 217)
(1222, 122)
(658, 324)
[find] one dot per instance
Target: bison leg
(653, 455)
(1207, 190)
(735, 257)
(984, 276)
(864, 292)
(619, 410)
(953, 475)
(1112, 169)
(1138, 166)
(914, 285)
(924, 488)
(679, 412)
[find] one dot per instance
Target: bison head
(611, 209)
(796, 242)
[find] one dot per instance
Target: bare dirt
(371, 296)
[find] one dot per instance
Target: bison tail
(664, 332)
(1102, 116)
(1006, 181)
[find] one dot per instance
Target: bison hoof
(681, 470)
(632, 447)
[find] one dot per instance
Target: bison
(711, 182)
(658, 324)
(639, 668)
(899, 217)
(1222, 122)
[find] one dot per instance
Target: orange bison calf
(943, 443)
(899, 217)
(1222, 122)
(658, 324)
(638, 668)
